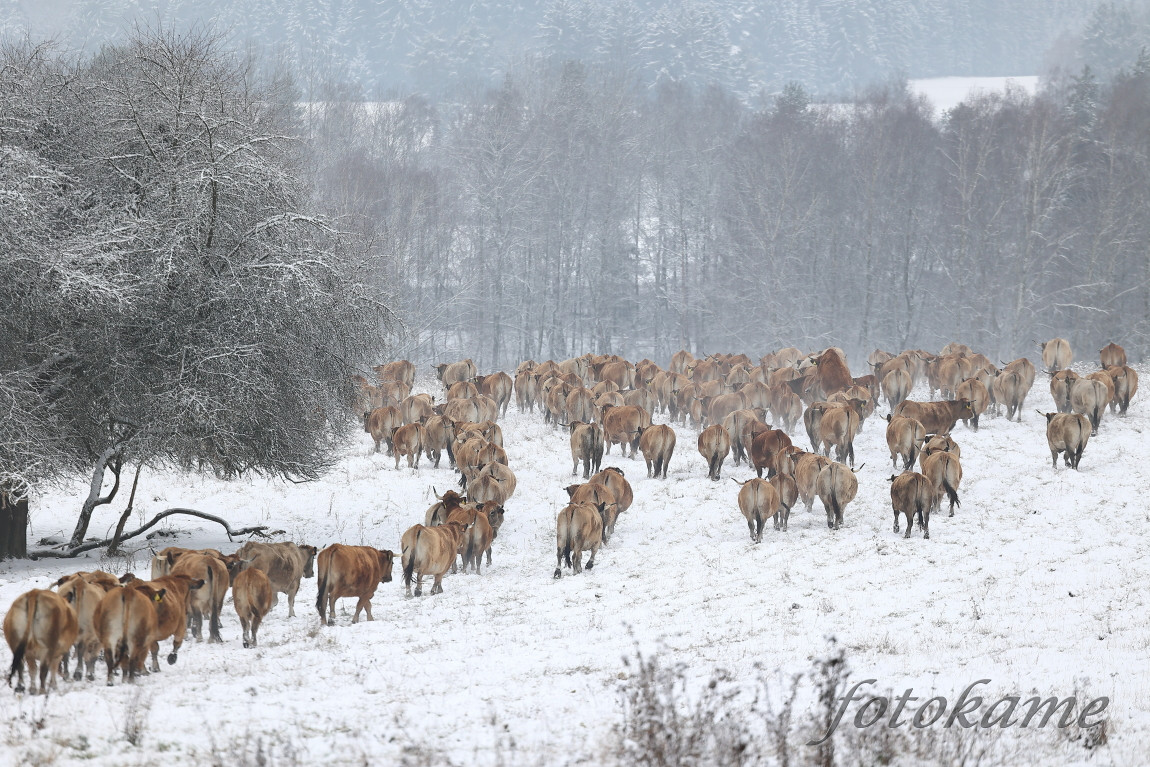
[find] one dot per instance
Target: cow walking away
(912, 495)
(578, 527)
(40, 629)
(349, 571)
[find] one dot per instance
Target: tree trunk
(13, 526)
(110, 459)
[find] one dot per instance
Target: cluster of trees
(448, 47)
(572, 210)
(171, 296)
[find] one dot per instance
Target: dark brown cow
(579, 526)
(283, 563)
(766, 448)
(252, 596)
(714, 446)
(832, 374)
(349, 571)
(936, 417)
(621, 427)
(40, 628)
(381, 424)
(208, 600)
(586, 446)
(429, 551)
(127, 624)
(171, 611)
(912, 495)
(657, 444)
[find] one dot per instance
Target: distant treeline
(445, 48)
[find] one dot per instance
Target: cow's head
(385, 560)
(309, 561)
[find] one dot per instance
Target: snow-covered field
(1038, 583)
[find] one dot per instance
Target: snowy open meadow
(1038, 583)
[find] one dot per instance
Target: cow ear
(159, 597)
(127, 577)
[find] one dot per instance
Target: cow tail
(951, 493)
(567, 535)
(409, 560)
(321, 599)
(22, 647)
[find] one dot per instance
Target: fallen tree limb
(68, 551)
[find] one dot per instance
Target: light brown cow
(759, 501)
(738, 426)
(1061, 384)
(838, 427)
(171, 611)
(252, 597)
(586, 446)
(462, 390)
(714, 446)
(723, 405)
(602, 498)
(876, 359)
(579, 526)
(1105, 379)
(904, 437)
(836, 486)
(944, 470)
(580, 405)
(494, 482)
(788, 489)
(381, 424)
(1089, 397)
(444, 504)
(399, 370)
(127, 624)
(1112, 355)
(1066, 433)
(621, 427)
(1056, 354)
(912, 495)
(936, 417)
(40, 628)
(526, 391)
(349, 571)
(429, 551)
(975, 391)
(617, 483)
(460, 410)
(1125, 387)
(1007, 390)
(939, 443)
(83, 597)
(454, 372)
(416, 408)
(285, 564)
(208, 600)
(498, 386)
(896, 387)
(620, 373)
(657, 444)
(808, 466)
(477, 538)
(408, 440)
(438, 437)
(644, 399)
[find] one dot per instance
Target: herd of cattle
(601, 401)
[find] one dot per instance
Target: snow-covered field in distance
(1038, 583)
(946, 92)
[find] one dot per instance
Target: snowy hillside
(1038, 583)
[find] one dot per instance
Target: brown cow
(766, 447)
(460, 410)
(788, 489)
(759, 501)
(1112, 355)
(738, 426)
(602, 498)
(399, 370)
(477, 538)
(642, 398)
(657, 444)
(680, 361)
(494, 482)
(839, 426)
(429, 551)
(936, 417)
(944, 470)
(580, 405)
(1066, 433)
(408, 441)
(579, 526)
(896, 387)
(1061, 384)
(349, 571)
(975, 391)
(456, 371)
(1007, 391)
(83, 596)
(586, 446)
(252, 597)
(381, 424)
(807, 469)
(876, 359)
(461, 390)
(621, 427)
(836, 486)
(723, 405)
(912, 495)
(1125, 386)
(526, 391)
(208, 600)
(619, 372)
(831, 373)
(1089, 397)
(609, 399)
(171, 611)
(904, 437)
(444, 504)
(438, 437)
(283, 563)
(40, 628)
(498, 386)
(714, 446)
(1056, 354)
(417, 408)
(127, 624)
(1105, 379)
(617, 483)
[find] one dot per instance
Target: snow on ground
(946, 92)
(1038, 583)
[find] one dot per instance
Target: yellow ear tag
(157, 598)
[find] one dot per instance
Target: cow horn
(860, 468)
